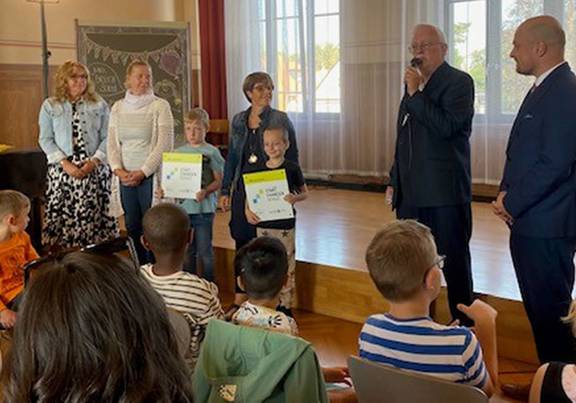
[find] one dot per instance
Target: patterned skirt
(77, 210)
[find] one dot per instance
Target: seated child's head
(166, 229)
(403, 262)
(196, 124)
(14, 211)
(106, 337)
(275, 141)
(263, 266)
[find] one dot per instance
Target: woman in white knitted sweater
(141, 128)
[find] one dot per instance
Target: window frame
(493, 50)
(306, 19)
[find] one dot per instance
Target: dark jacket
(432, 159)
(237, 141)
(540, 171)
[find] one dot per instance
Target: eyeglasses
(415, 47)
(262, 87)
(113, 246)
(439, 262)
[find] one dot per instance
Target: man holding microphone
(430, 177)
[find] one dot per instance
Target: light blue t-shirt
(213, 159)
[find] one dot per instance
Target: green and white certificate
(265, 193)
(181, 175)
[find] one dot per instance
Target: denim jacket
(237, 141)
(56, 128)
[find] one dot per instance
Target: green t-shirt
(212, 160)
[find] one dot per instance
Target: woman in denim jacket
(73, 130)
(245, 149)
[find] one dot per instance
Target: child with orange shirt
(15, 251)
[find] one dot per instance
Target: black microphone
(416, 62)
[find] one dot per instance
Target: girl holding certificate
(246, 148)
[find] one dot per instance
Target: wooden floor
(335, 339)
(335, 226)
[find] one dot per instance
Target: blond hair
(200, 115)
(134, 63)
(12, 202)
(64, 73)
(399, 257)
(571, 317)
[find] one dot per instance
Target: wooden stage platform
(334, 228)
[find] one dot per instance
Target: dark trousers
(545, 272)
(452, 229)
(240, 229)
(136, 200)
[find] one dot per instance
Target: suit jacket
(432, 159)
(540, 171)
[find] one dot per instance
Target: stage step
(350, 295)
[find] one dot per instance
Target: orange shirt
(14, 254)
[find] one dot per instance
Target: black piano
(25, 171)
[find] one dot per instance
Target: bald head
(538, 45)
(545, 29)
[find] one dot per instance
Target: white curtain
(373, 47)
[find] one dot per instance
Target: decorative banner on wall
(107, 49)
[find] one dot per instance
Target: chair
(218, 135)
(182, 330)
(121, 246)
(378, 383)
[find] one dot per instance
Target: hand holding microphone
(412, 76)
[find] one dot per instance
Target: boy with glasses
(405, 267)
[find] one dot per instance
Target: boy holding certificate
(202, 207)
(275, 145)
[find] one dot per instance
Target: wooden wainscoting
(20, 100)
(21, 96)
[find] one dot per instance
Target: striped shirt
(423, 346)
(196, 298)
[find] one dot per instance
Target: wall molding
(35, 44)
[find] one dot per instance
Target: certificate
(181, 175)
(265, 193)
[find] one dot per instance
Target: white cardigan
(162, 140)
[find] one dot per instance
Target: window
(480, 34)
(301, 50)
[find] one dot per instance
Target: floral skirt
(77, 210)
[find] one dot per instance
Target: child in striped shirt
(404, 265)
(167, 234)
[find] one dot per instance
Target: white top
(265, 318)
(194, 297)
(137, 138)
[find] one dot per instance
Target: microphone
(416, 62)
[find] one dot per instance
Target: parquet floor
(335, 226)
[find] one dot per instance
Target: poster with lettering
(108, 48)
(265, 193)
(181, 175)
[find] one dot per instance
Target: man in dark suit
(538, 191)
(430, 178)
